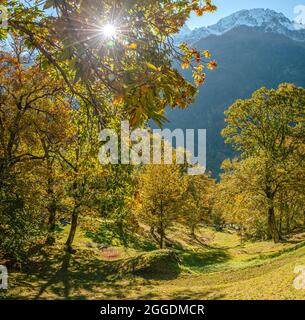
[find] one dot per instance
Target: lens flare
(109, 30)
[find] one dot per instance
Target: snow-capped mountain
(266, 19)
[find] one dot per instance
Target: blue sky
(226, 7)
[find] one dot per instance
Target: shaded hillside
(248, 58)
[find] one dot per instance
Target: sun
(109, 30)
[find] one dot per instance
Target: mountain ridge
(266, 19)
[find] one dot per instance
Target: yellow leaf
(151, 66)
(185, 65)
(207, 54)
(118, 100)
(212, 65)
(132, 46)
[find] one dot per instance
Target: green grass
(215, 265)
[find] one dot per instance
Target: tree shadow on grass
(84, 274)
(63, 274)
(202, 259)
(172, 272)
(67, 276)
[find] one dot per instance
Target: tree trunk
(281, 222)
(51, 224)
(273, 231)
(288, 225)
(272, 227)
(193, 234)
(161, 231)
(72, 229)
(122, 233)
(161, 238)
(52, 203)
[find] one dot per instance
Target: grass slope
(214, 266)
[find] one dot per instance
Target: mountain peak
(266, 19)
(259, 13)
(253, 18)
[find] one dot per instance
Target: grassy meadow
(215, 265)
